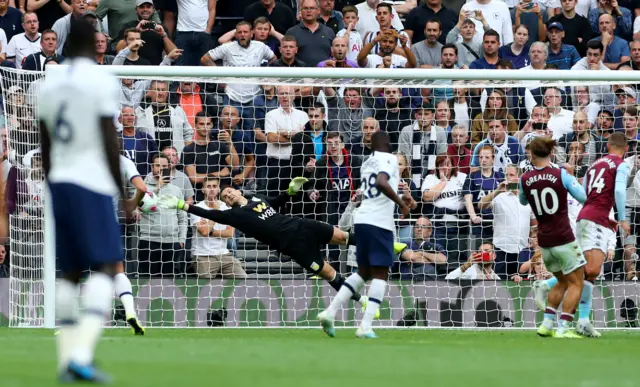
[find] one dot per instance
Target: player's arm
(622, 175)
(571, 184)
(45, 149)
(141, 188)
(382, 183)
(111, 149)
(521, 196)
(171, 202)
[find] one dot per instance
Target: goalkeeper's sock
(337, 283)
(67, 314)
(97, 301)
(350, 287)
(551, 282)
(586, 299)
(124, 292)
(376, 294)
(351, 239)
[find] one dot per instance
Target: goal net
(471, 256)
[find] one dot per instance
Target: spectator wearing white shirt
(244, 52)
(193, 31)
(26, 43)
(3, 44)
(280, 125)
(561, 120)
(385, 56)
(511, 222)
(479, 267)
(367, 12)
(497, 15)
(350, 18)
(209, 249)
(443, 190)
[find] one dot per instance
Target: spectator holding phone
(479, 266)
(155, 38)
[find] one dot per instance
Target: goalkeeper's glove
(296, 185)
(170, 202)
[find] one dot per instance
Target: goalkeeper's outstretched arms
(172, 202)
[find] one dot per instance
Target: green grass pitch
(306, 357)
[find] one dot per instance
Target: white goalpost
(173, 289)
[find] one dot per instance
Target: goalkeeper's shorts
(87, 231)
(306, 246)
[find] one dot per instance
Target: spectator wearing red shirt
(458, 152)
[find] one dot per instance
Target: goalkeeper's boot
(364, 300)
(77, 373)
(587, 329)
(135, 325)
(398, 247)
(370, 334)
(327, 323)
(540, 291)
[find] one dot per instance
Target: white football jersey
(128, 171)
(377, 209)
(71, 105)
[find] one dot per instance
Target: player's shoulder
(125, 161)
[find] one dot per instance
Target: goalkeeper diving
(257, 217)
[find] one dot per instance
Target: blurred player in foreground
(545, 189)
(80, 156)
(122, 284)
(257, 217)
(606, 184)
(374, 225)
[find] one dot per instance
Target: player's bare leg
(97, 301)
(574, 281)
(554, 299)
(124, 291)
(380, 274)
(584, 327)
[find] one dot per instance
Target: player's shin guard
(337, 283)
(586, 299)
(124, 292)
(376, 294)
(349, 288)
(67, 316)
(97, 301)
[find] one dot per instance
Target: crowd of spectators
(460, 148)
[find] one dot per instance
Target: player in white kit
(122, 285)
(374, 225)
(80, 156)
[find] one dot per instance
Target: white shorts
(566, 258)
(593, 236)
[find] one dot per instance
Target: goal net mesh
(455, 142)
